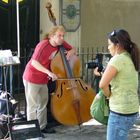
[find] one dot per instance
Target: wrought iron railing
(15, 83)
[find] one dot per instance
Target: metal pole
(18, 34)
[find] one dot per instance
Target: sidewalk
(91, 130)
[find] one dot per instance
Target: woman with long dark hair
(122, 74)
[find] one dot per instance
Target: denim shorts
(119, 125)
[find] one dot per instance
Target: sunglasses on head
(113, 33)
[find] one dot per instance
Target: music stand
(6, 60)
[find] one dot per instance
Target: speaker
(25, 130)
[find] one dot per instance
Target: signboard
(70, 14)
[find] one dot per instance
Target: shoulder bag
(99, 108)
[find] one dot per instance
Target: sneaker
(48, 130)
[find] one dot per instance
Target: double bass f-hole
(68, 88)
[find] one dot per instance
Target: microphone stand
(7, 100)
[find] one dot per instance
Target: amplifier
(28, 130)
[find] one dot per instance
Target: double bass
(71, 100)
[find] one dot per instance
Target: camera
(100, 61)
